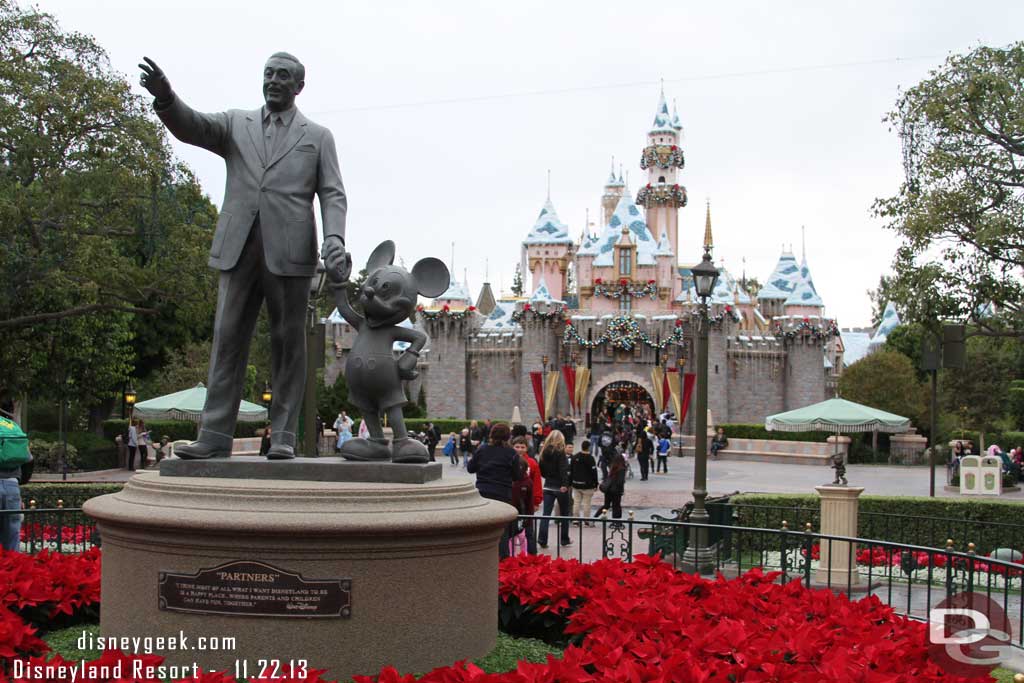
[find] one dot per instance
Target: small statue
(840, 467)
(374, 375)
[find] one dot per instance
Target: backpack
(449, 447)
(13, 445)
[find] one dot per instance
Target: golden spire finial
(708, 242)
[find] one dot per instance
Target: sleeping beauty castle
(610, 316)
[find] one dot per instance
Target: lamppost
(129, 397)
(698, 557)
(268, 394)
(314, 361)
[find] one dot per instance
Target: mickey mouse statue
(373, 373)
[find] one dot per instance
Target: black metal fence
(59, 529)
(927, 531)
(912, 579)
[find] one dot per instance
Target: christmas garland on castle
(662, 156)
(624, 287)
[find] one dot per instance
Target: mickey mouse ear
(383, 255)
(431, 276)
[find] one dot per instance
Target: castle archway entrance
(620, 396)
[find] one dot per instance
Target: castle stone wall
(756, 372)
(805, 373)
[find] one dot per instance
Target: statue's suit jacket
(279, 189)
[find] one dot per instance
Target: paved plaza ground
(666, 491)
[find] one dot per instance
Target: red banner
(569, 373)
(689, 379)
(538, 392)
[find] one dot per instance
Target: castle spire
(675, 116)
(549, 184)
(709, 243)
(803, 245)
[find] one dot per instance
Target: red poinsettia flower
(648, 186)
(650, 282)
(526, 307)
(807, 320)
(679, 323)
(598, 280)
(446, 308)
(419, 308)
(471, 308)
(674, 148)
(728, 309)
(623, 281)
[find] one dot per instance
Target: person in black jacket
(644, 449)
(614, 486)
(497, 466)
(583, 469)
(554, 469)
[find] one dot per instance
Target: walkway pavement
(666, 491)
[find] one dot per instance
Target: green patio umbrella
(837, 415)
(188, 405)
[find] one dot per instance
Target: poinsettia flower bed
(44, 591)
(643, 622)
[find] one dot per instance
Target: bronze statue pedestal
(347, 576)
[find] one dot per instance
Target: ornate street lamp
(130, 396)
(698, 557)
(268, 394)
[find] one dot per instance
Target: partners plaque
(254, 589)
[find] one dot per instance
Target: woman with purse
(614, 486)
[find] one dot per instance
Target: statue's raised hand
(154, 80)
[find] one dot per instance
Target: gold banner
(676, 392)
(549, 393)
(582, 382)
(658, 378)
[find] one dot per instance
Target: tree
(979, 392)
(907, 339)
(517, 281)
(960, 210)
(886, 380)
(97, 222)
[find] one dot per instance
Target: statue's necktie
(273, 133)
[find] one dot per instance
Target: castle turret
(662, 158)
(613, 190)
(548, 250)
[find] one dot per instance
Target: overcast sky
(448, 115)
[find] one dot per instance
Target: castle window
(661, 179)
(625, 304)
(625, 262)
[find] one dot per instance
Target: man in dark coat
(265, 242)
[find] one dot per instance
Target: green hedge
(758, 431)
(46, 494)
(94, 451)
(1005, 439)
(973, 520)
(176, 430)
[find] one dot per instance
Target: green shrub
(989, 524)
(50, 456)
(758, 431)
(177, 430)
(46, 494)
(94, 451)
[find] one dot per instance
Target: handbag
(605, 485)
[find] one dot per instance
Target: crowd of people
(539, 470)
(1013, 461)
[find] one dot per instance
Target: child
(664, 446)
(450, 449)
